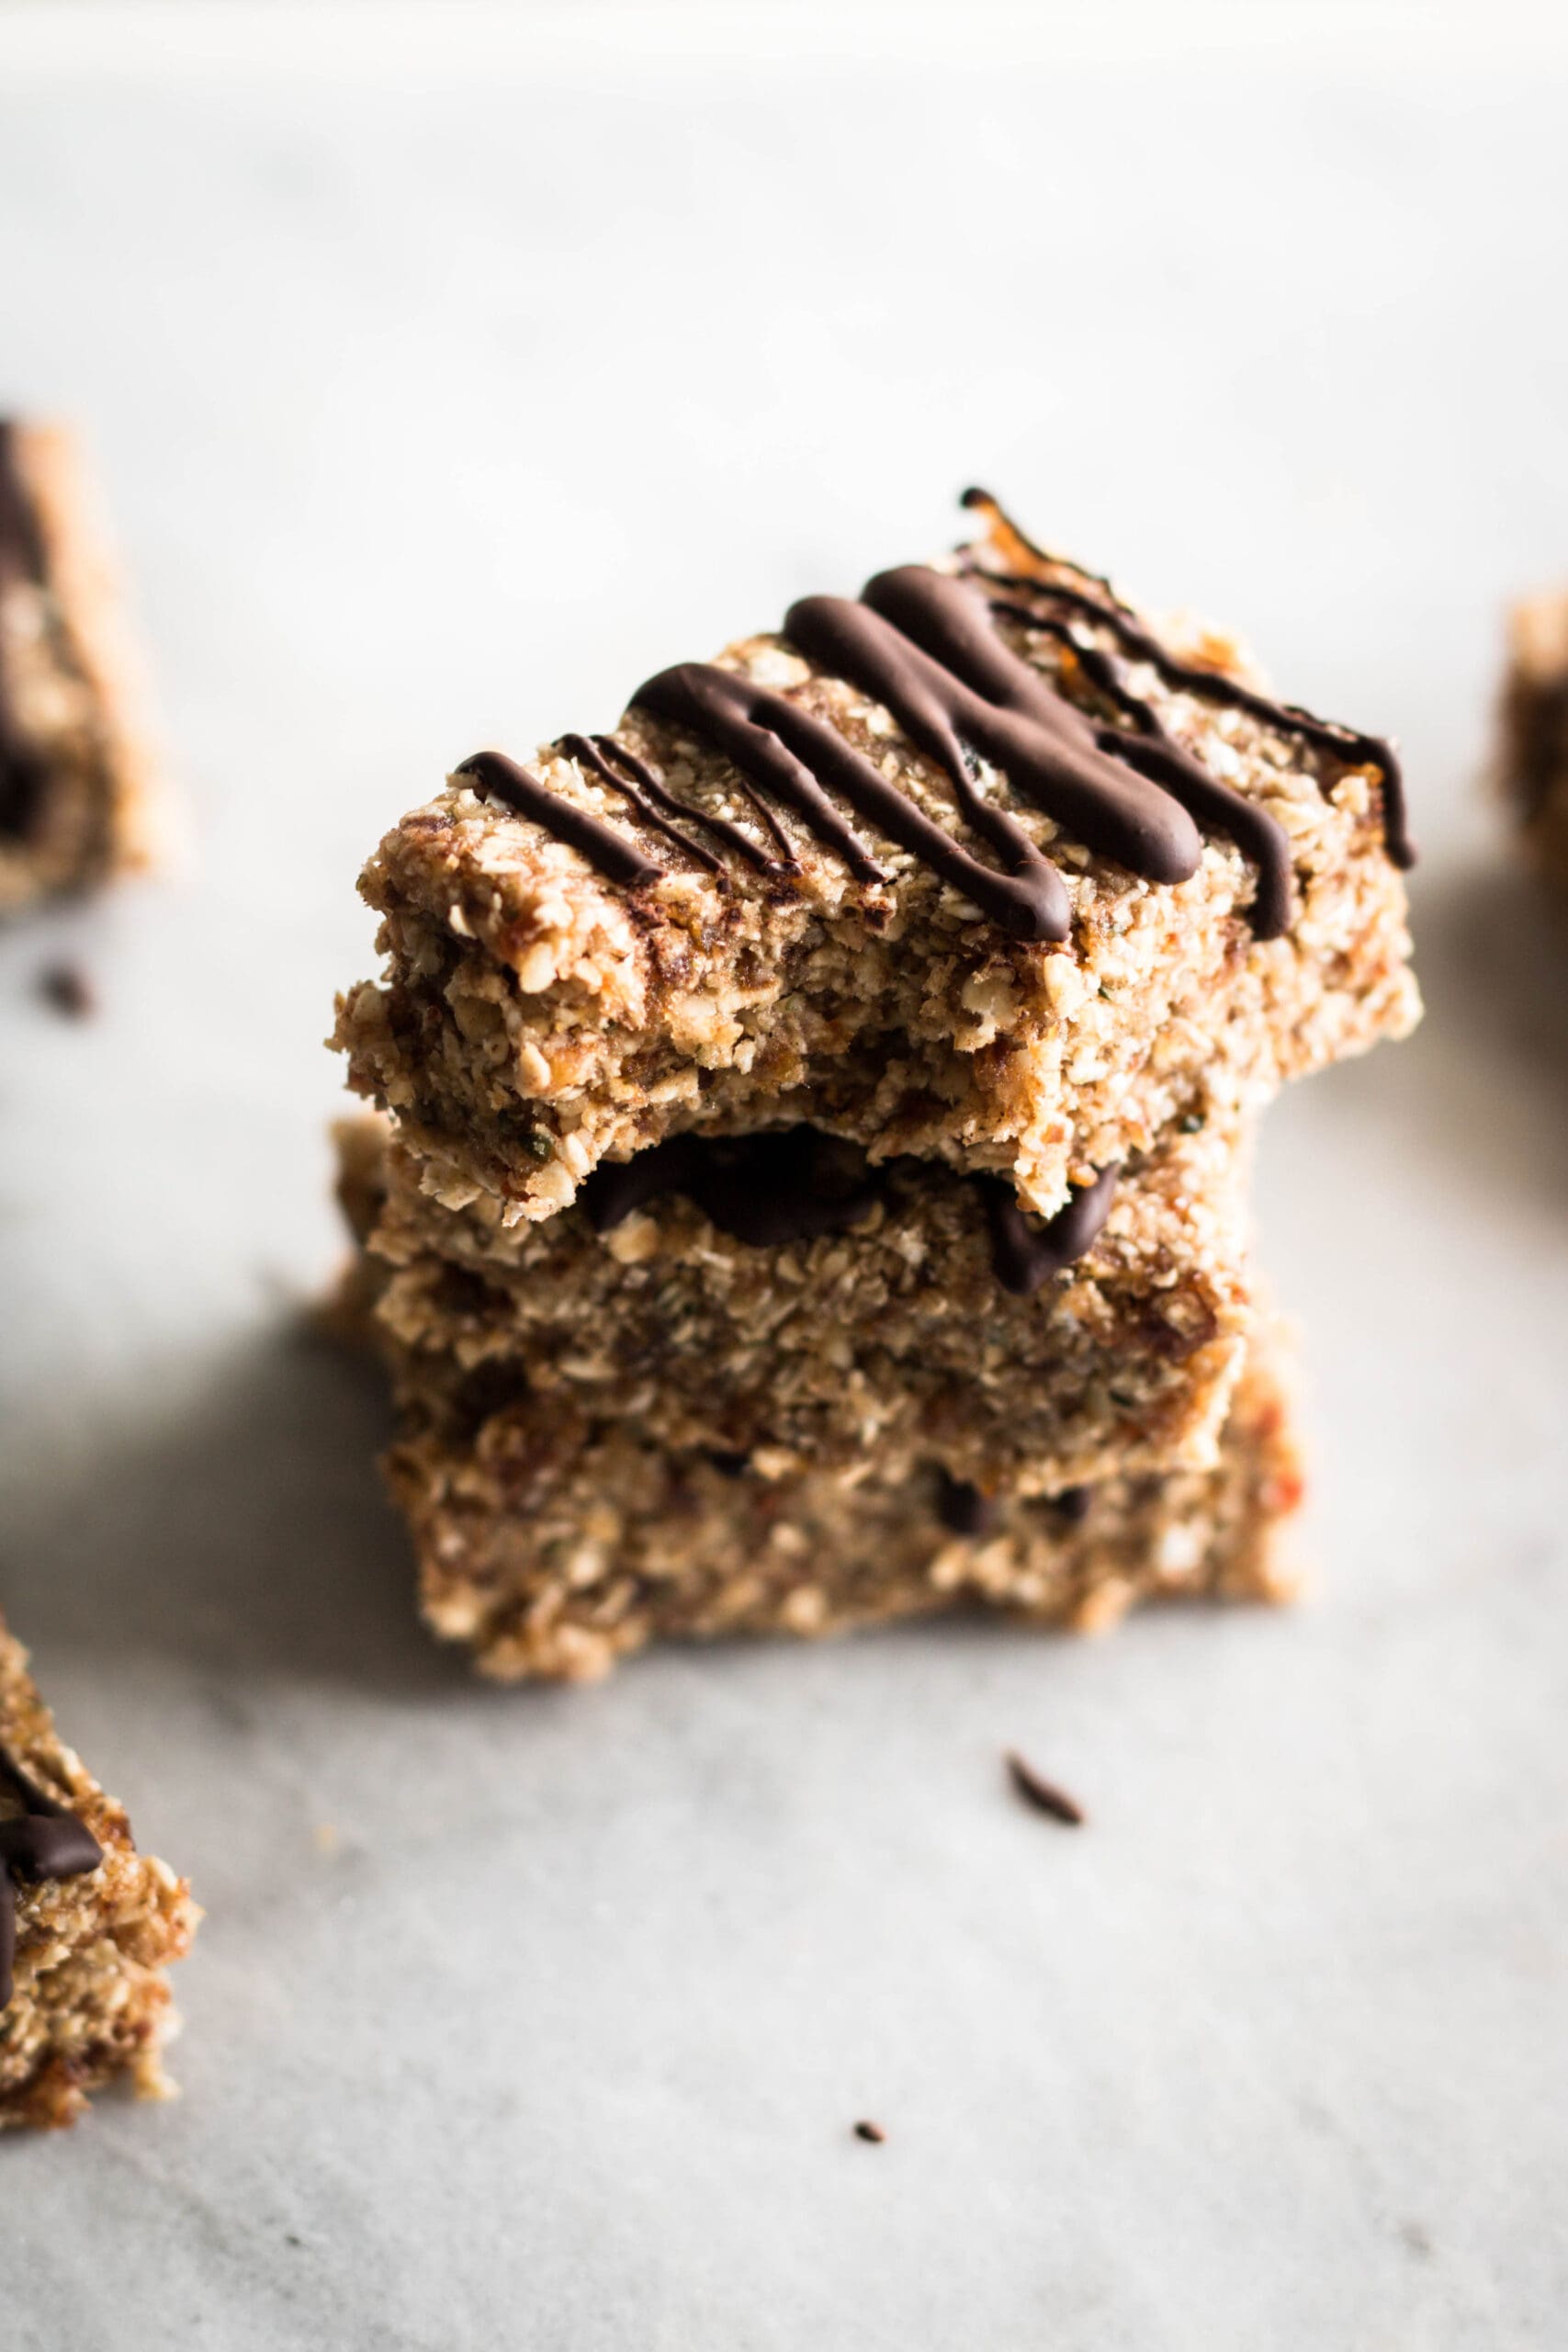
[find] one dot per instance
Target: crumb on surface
(70, 990)
(1045, 1796)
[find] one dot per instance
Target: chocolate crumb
(67, 987)
(1043, 1794)
(872, 2132)
(964, 1508)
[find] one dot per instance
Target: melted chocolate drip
(1100, 602)
(46, 1840)
(1025, 1255)
(21, 559)
(789, 1184)
(495, 777)
(793, 1184)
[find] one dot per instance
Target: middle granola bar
(783, 1300)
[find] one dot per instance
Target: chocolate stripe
(495, 777)
(599, 751)
(790, 753)
(784, 750)
(1157, 753)
(588, 756)
(1102, 602)
(856, 643)
(1046, 746)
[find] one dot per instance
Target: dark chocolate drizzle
(1099, 601)
(926, 645)
(1024, 1255)
(21, 559)
(1051, 752)
(793, 1184)
(45, 1841)
(657, 806)
(789, 752)
(1156, 752)
(790, 755)
(495, 777)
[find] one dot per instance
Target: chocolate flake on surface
(1042, 1793)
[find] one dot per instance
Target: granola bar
(780, 1297)
(87, 1925)
(982, 867)
(819, 1117)
(76, 800)
(553, 1546)
(1533, 752)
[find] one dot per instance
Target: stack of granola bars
(812, 1178)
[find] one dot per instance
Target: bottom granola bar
(553, 1546)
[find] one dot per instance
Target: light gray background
(447, 373)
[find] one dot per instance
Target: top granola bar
(979, 867)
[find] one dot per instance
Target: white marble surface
(448, 373)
